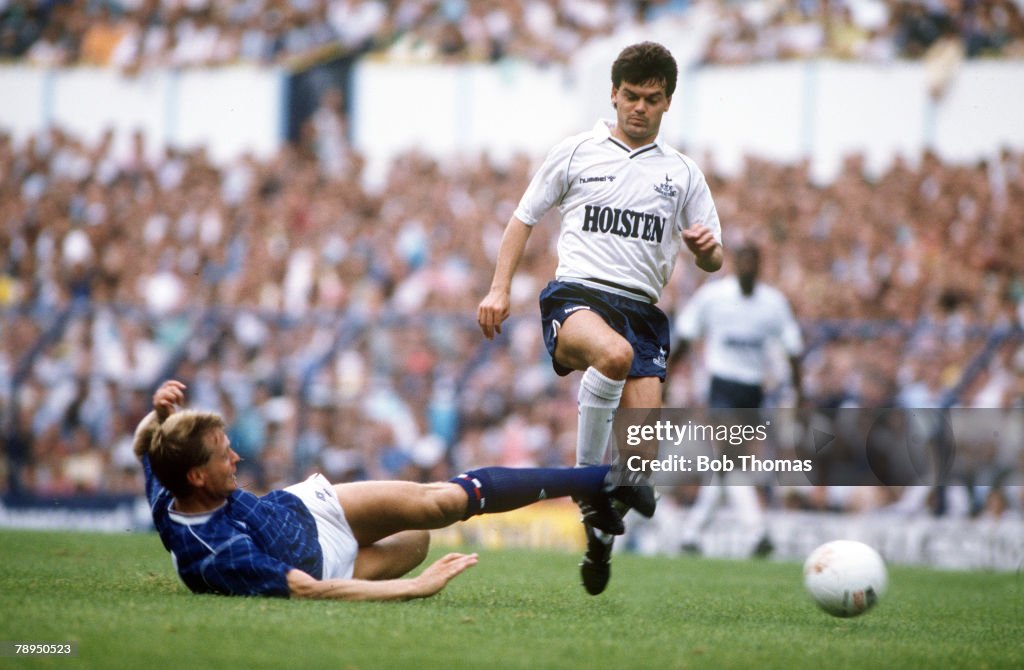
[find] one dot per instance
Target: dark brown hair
(646, 62)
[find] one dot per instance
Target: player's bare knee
(616, 360)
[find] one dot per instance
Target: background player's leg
(747, 506)
(708, 499)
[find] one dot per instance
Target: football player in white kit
(628, 203)
(739, 319)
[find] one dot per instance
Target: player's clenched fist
(701, 241)
(170, 394)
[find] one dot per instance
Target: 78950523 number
(14, 648)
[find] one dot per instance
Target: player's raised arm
(496, 305)
(167, 398)
(708, 252)
(426, 584)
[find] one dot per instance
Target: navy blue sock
(496, 489)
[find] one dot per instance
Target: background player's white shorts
(336, 540)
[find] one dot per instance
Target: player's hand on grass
(440, 572)
(493, 310)
(167, 398)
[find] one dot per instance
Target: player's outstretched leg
(496, 489)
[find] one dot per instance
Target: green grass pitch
(117, 596)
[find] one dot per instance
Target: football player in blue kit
(351, 541)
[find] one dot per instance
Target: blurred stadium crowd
(136, 34)
(334, 325)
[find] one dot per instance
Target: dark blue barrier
(97, 512)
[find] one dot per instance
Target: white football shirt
(738, 329)
(623, 211)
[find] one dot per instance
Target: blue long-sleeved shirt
(245, 547)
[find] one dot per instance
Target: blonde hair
(179, 444)
(144, 435)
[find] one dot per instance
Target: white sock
(597, 401)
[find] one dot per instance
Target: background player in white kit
(628, 202)
(740, 320)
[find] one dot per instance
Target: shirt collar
(603, 131)
(191, 519)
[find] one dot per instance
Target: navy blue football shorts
(725, 394)
(642, 324)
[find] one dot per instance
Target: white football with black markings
(846, 578)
